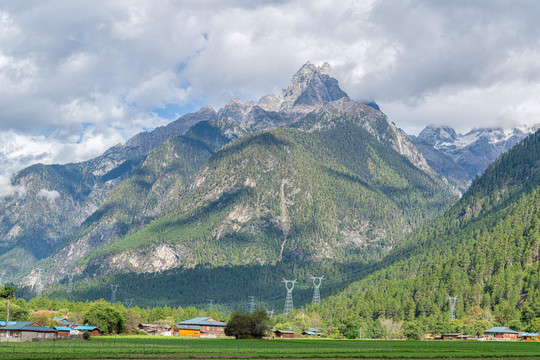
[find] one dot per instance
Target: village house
(187, 330)
(500, 332)
(309, 334)
(455, 337)
(284, 334)
(65, 322)
(62, 331)
(150, 329)
(26, 331)
(529, 336)
(94, 331)
(207, 326)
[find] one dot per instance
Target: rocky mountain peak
(310, 86)
(434, 135)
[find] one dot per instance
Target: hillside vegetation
(484, 250)
(286, 195)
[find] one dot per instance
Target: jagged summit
(311, 87)
(435, 134)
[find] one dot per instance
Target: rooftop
(501, 329)
(82, 327)
(205, 321)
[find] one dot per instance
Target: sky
(79, 76)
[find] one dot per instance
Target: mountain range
(308, 176)
(462, 157)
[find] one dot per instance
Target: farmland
(145, 347)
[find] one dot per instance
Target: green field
(146, 347)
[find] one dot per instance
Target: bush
(86, 335)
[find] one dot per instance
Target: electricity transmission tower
(316, 293)
(128, 302)
(452, 306)
(289, 285)
(270, 312)
(114, 288)
(39, 284)
(252, 305)
(2, 278)
(70, 284)
(210, 303)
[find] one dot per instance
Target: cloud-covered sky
(77, 77)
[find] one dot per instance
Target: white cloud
(78, 77)
(7, 189)
(50, 195)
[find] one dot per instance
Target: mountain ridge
(312, 103)
(462, 157)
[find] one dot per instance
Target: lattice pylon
(316, 293)
(289, 285)
(114, 288)
(70, 283)
(452, 305)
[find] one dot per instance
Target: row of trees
(118, 319)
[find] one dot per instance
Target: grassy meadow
(146, 347)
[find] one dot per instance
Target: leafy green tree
(243, 326)
(7, 292)
(17, 310)
(350, 328)
(105, 317)
(527, 314)
(44, 318)
(535, 325)
(480, 326)
(412, 330)
(515, 325)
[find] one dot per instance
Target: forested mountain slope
(156, 184)
(330, 196)
(52, 201)
(484, 250)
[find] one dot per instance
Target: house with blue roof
(63, 331)
(501, 332)
(65, 322)
(94, 331)
(199, 326)
(26, 331)
(3, 323)
(527, 336)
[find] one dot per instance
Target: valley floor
(154, 347)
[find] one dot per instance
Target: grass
(157, 347)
